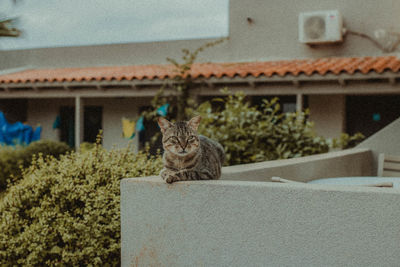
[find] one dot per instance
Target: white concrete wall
(237, 223)
(386, 141)
(45, 111)
(274, 33)
(351, 162)
(328, 112)
(113, 111)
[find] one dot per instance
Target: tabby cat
(187, 155)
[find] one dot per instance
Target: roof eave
(342, 78)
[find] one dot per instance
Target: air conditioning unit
(320, 27)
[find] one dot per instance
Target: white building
(349, 84)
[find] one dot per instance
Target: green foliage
(346, 141)
(12, 159)
(7, 29)
(249, 134)
(66, 212)
(179, 95)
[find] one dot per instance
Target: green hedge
(12, 159)
(66, 212)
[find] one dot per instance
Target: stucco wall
(44, 112)
(274, 33)
(328, 114)
(352, 162)
(237, 223)
(113, 111)
(386, 141)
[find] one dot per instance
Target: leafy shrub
(12, 159)
(347, 141)
(251, 134)
(67, 211)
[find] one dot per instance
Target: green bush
(347, 141)
(12, 159)
(251, 134)
(67, 211)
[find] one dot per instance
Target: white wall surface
(328, 112)
(350, 162)
(237, 223)
(44, 112)
(386, 141)
(113, 111)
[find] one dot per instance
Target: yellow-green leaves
(13, 159)
(66, 212)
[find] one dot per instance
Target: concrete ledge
(351, 162)
(238, 223)
(385, 141)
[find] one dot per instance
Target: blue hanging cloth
(140, 125)
(36, 134)
(57, 122)
(163, 110)
(17, 133)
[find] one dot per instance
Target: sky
(50, 23)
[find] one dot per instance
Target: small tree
(180, 101)
(6, 28)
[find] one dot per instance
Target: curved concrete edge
(351, 162)
(385, 141)
(242, 223)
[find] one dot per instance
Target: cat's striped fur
(187, 155)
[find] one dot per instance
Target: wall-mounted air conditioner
(320, 27)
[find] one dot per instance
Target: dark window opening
(369, 114)
(151, 130)
(14, 109)
(93, 123)
(67, 125)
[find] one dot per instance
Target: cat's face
(180, 138)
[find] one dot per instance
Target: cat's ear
(194, 122)
(164, 124)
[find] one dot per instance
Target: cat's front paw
(164, 174)
(170, 179)
(168, 176)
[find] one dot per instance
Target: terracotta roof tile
(320, 66)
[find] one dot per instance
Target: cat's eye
(173, 140)
(191, 138)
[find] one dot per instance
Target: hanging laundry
(128, 128)
(17, 133)
(57, 122)
(163, 110)
(140, 125)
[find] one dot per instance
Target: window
(92, 124)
